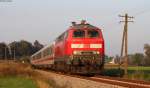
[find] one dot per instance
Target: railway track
(121, 82)
(113, 80)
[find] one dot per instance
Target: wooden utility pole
(5, 53)
(14, 54)
(125, 41)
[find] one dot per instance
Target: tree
(2, 50)
(37, 46)
(137, 58)
(108, 59)
(147, 50)
(117, 59)
(147, 53)
(24, 48)
(19, 49)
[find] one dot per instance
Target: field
(141, 73)
(17, 75)
(139, 68)
(134, 72)
(20, 75)
(16, 82)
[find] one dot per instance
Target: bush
(115, 72)
(16, 69)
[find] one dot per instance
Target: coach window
(33, 57)
(45, 52)
(79, 34)
(38, 55)
(92, 33)
(49, 51)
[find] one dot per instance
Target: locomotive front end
(86, 48)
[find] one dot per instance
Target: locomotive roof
(81, 26)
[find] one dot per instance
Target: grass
(19, 75)
(139, 68)
(16, 82)
(134, 72)
(141, 73)
(113, 72)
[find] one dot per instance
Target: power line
(142, 12)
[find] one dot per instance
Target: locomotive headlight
(97, 52)
(74, 52)
(77, 52)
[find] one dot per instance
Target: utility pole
(125, 41)
(14, 54)
(5, 53)
(9, 49)
(15, 49)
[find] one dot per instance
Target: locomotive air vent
(83, 25)
(73, 23)
(83, 22)
(85, 52)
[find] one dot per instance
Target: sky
(44, 20)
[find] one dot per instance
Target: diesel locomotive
(80, 49)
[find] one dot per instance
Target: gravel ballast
(72, 82)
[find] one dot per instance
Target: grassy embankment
(139, 72)
(16, 82)
(134, 72)
(18, 75)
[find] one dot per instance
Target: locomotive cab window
(92, 34)
(79, 34)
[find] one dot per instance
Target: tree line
(137, 59)
(18, 49)
(23, 48)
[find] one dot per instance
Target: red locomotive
(80, 49)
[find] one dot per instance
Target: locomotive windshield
(79, 34)
(92, 33)
(85, 34)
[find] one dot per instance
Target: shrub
(16, 69)
(115, 72)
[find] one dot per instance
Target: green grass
(139, 68)
(143, 70)
(136, 72)
(114, 72)
(142, 73)
(16, 82)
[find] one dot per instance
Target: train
(80, 49)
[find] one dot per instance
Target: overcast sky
(44, 20)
